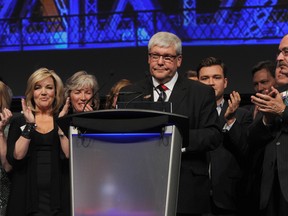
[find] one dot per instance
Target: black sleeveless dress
(43, 150)
(40, 184)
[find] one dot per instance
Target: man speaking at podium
(189, 98)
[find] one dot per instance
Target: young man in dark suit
(189, 98)
(227, 161)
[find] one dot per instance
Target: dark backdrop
(129, 63)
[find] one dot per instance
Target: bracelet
(29, 128)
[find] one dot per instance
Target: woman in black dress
(38, 151)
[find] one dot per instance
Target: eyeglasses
(166, 58)
(284, 52)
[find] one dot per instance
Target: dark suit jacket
(273, 141)
(227, 161)
(197, 101)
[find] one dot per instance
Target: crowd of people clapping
(235, 162)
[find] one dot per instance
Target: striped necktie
(162, 95)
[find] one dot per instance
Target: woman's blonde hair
(5, 96)
(39, 75)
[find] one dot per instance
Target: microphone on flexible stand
(128, 93)
(149, 77)
(161, 98)
(133, 99)
(96, 92)
(161, 94)
(140, 94)
(157, 90)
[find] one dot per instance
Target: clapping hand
(65, 108)
(5, 117)
(270, 104)
(233, 104)
(26, 110)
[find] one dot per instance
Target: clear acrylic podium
(125, 162)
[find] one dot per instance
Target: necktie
(162, 95)
(219, 108)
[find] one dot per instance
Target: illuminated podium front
(125, 162)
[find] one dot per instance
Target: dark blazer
(197, 101)
(272, 140)
(228, 161)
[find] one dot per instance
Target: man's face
(163, 63)
(214, 76)
(262, 81)
(281, 73)
(280, 76)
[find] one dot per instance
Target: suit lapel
(178, 93)
(147, 89)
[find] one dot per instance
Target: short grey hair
(82, 79)
(166, 39)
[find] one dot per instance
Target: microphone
(140, 94)
(149, 77)
(162, 132)
(133, 99)
(96, 92)
(157, 91)
(163, 96)
(128, 93)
